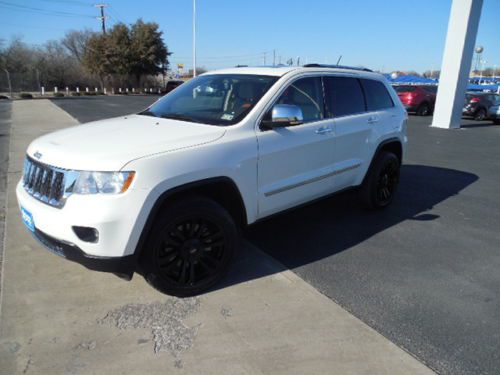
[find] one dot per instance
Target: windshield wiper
(179, 116)
(147, 113)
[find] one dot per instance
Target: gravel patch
(164, 319)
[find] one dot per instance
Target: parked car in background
(172, 84)
(478, 104)
(417, 99)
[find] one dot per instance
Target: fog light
(87, 234)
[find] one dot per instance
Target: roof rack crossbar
(337, 67)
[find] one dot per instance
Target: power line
(47, 12)
(70, 2)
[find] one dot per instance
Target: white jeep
(164, 191)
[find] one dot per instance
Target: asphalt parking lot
(423, 273)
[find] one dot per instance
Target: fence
(13, 84)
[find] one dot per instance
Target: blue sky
(387, 35)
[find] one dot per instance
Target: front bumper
(124, 266)
(117, 218)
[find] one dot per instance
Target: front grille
(44, 182)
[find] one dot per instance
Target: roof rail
(336, 67)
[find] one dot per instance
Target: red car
(417, 99)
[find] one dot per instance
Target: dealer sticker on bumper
(28, 219)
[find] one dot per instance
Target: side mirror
(283, 115)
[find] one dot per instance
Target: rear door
(295, 163)
(345, 102)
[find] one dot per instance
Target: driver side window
(307, 94)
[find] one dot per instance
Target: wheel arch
(222, 190)
(393, 145)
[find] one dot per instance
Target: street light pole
(194, 38)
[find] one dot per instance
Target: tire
(480, 114)
(380, 184)
(189, 248)
(424, 109)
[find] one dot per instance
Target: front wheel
(381, 181)
(189, 248)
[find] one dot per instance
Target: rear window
(404, 88)
(344, 96)
(431, 89)
(377, 96)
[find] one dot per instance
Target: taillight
(475, 100)
(410, 96)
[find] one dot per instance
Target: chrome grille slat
(44, 182)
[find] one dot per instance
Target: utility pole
(194, 38)
(102, 17)
(264, 56)
(274, 57)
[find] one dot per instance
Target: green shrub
(26, 95)
(76, 93)
(123, 93)
(89, 93)
(58, 94)
(4, 97)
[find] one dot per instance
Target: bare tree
(76, 42)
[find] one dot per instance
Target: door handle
(323, 130)
(372, 120)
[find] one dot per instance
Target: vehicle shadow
(330, 226)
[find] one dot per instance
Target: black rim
(424, 110)
(480, 115)
(191, 252)
(387, 182)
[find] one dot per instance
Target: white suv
(165, 190)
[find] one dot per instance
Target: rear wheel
(190, 247)
(424, 109)
(480, 114)
(381, 182)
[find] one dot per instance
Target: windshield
(217, 99)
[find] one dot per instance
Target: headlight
(103, 182)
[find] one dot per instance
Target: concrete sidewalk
(59, 318)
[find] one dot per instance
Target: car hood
(108, 145)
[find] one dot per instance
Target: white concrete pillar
(55, 90)
(78, 89)
(43, 90)
(457, 60)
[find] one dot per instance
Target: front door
(296, 163)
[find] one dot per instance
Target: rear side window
(377, 96)
(344, 96)
(431, 89)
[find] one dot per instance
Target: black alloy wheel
(387, 182)
(381, 181)
(190, 247)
